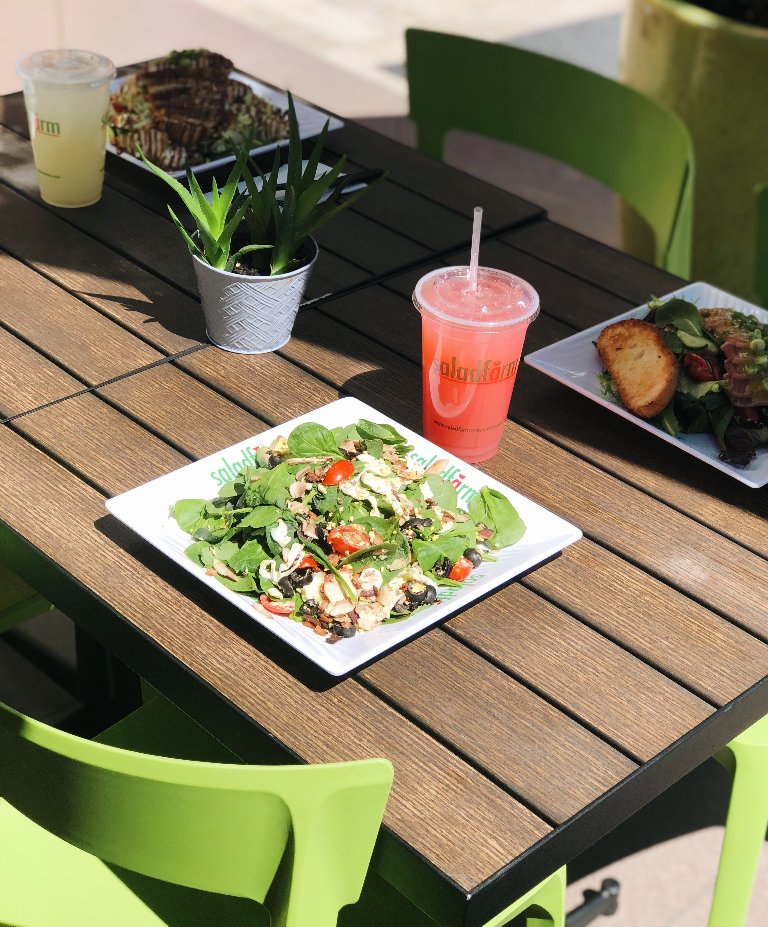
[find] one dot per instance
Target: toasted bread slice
(643, 369)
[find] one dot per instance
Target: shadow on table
(208, 600)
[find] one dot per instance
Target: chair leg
(745, 829)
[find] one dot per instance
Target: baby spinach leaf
(686, 320)
(448, 545)
(312, 440)
(375, 447)
(383, 432)
(248, 558)
(189, 513)
(345, 434)
(225, 550)
(274, 484)
(498, 514)
(194, 551)
(261, 516)
(242, 584)
(443, 492)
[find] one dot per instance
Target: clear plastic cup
(471, 347)
(66, 93)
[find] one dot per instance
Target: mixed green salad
(722, 385)
(339, 530)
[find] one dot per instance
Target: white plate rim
(543, 360)
(311, 121)
(161, 532)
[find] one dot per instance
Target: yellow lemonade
(67, 94)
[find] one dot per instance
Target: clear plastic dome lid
(66, 66)
(501, 299)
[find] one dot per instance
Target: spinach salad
(338, 530)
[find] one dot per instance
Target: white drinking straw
(475, 253)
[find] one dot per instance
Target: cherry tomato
(338, 472)
(347, 539)
(461, 570)
(308, 563)
(702, 367)
(277, 608)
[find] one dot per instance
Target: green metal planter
(713, 72)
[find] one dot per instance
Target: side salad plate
(721, 357)
(343, 533)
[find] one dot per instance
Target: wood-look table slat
(525, 727)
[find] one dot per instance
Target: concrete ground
(348, 56)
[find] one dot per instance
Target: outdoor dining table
(522, 729)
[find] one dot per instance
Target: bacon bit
(485, 533)
(333, 638)
(319, 629)
(310, 622)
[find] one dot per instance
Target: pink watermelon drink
(472, 340)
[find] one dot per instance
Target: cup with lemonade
(66, 94)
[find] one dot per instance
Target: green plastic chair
(761, 243)
(18, 601)
(94, 833)
(604, 129)
(746, 758)
(382, 906)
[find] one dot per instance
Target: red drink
(471, 347)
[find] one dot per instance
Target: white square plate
(311, 122)
(146, 511)
(574, 361)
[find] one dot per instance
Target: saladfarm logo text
(47, 127)
(451, 473)
(485, 371)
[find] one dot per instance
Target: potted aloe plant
(253, 249)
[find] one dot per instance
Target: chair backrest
(761, 243)
(217, 827)
(602, 128)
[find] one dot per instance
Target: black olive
(273, 460)
(417, 593)
(473, 556)
(343, 630)
(285, 585)
(300, 578)
(431, 595)
(442, 567)
(321, 530)
(310, 609)
(413, 526)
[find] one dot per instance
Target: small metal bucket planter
(248, 314)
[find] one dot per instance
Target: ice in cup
(471, 346)
(66, 93)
